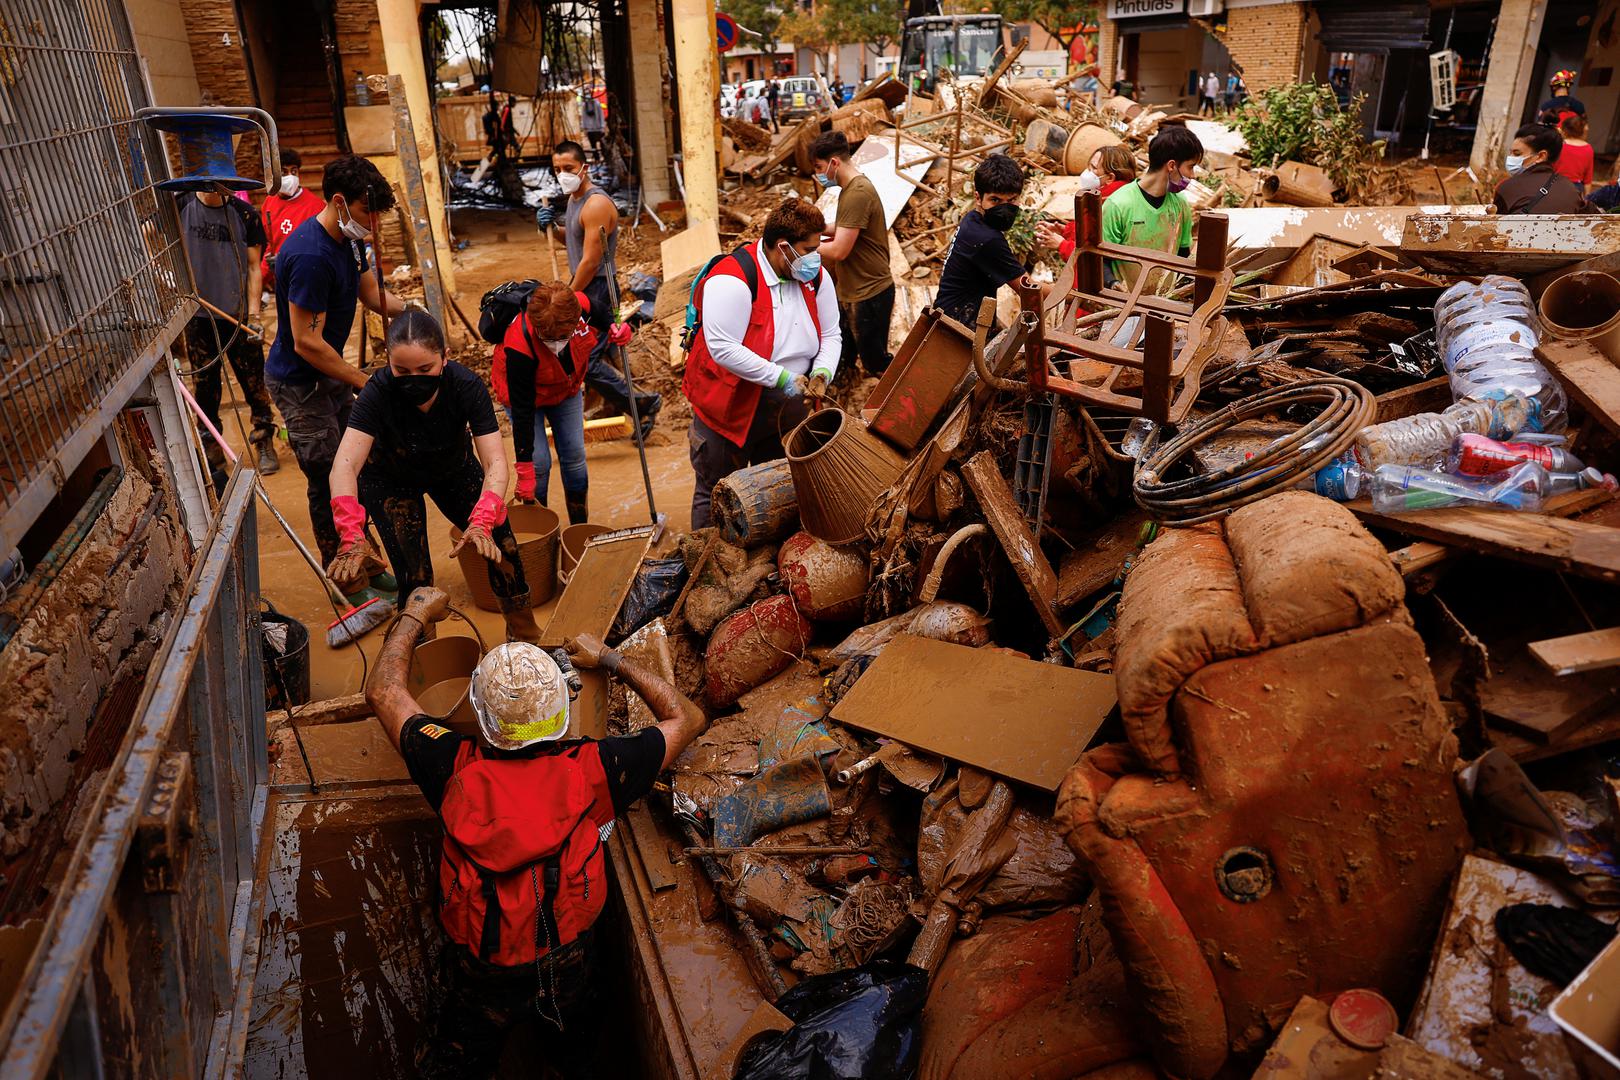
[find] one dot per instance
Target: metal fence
(93, 284)
(145, 963)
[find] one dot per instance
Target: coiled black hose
(1347, 407)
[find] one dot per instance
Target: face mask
(289, 186)
(417, 389)
(351, 228)
(1515, 163)
(803, 268)
(569, 182)
(823, 179)
(557, 346)
(1180, 183)
(1001, 218)
(1090, 181)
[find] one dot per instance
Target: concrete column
(1507, 80)
(402, 49)
(1107, 56)
(695, 64)
(647, 90)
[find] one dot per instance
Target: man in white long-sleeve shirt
(767, 335)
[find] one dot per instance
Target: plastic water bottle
(362, 92)
(1340, 479)
(1401, 488)
(1582, 480)
(1141, 436)
(1424, 439)
(1480, 455)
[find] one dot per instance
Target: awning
(1149, 23)
(1360, 26)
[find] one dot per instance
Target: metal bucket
(441, 670)
(839, 470)
(1585, 306)
(536, 530)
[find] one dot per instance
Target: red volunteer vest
(723, 400)
(552, 385)
(281, 217)
(523, 870)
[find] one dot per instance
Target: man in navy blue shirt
(320, 276)
(980, 260)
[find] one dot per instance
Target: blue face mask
(823, 179)
(804, 268)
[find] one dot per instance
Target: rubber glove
(544, 215)
(790, 384)
(488, 512)
(620, 334)
(525, 481)
(349, 517)
(816, 385)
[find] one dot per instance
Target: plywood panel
(598, 586)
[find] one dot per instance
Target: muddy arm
(679, 717)
(390, 702)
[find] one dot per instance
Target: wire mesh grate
(92, 276)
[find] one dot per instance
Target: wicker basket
(839, 469)
(539, 557)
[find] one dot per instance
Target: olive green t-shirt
(865, 272)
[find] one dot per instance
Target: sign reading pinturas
(1131, 9)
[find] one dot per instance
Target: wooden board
(652, 847)
(1007, 522)
(1537, 539)
(683, 256)
(599, 585)
(1431, 395)
(1522, 696)
(1096, 561)
(1591, 379)
(1591, 651)
(1515, 244)
(357, 753)
(1009, 716)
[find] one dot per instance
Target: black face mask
(417, 389)
(1001, 218)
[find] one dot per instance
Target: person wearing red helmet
(1562, 103)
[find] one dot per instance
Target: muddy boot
(577, 502)
(520, 626)
(268, 464)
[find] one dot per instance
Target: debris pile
(1126, 670)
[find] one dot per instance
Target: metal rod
(629, 383)
(783, 849)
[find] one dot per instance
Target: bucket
(535, 528)
(1086, 140)
(286, 674)
(839, 470)
(574, 539)
(1585, 306)
(441, 670)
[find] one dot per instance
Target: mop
(355, 622)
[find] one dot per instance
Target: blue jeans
(568, 428)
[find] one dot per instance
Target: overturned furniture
(1281, 823)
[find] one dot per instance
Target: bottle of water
(1424, 439)
(1399, 489)
(362, 93)
(1582, 480)
(1340, 479)
(1480, 455)
(1140, 438)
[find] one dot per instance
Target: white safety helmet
(519, 696)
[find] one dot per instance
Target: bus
(966, 45)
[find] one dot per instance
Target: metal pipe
(782, 849)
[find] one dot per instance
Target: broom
(353, 623)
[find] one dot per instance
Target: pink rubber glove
(349, 517)
(620, 334)
(525, 481)
(488, 512)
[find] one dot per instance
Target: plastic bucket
(441, 670)
(572, 547)
(1585, 306)
(536, 530)
(286, 676)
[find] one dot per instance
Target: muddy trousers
(865, 325)
(398, 510)
(204, 338)
(603, 374)
(483, 1003)
(715, 457)
(316, 413)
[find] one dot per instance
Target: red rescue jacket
(281, 217)
(553, 384)
(523, 870)
(723, 400)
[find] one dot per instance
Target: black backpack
(501, 305)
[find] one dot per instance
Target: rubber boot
(520, 626)
(577, 502)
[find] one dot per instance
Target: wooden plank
(1007, 522)
(1094, 563)
(1515, 244)
(653, 849)
(1016, 718)
(1543, 539)
(328, 711)
(1591, 379)
(1594, 731)
(599, 585)
(1522, 696)
(1431, 395)
(1415, 558)
(1591, 651)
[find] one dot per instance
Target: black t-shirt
(631, 762)
(411, 444)
(1562, 105)
(979, 263)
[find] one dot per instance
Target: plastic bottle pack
(1487, 335)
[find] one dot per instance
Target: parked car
(802, 96)
(729, 93)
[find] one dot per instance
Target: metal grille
(93, 283)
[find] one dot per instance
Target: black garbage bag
(658, 583)
(861, 1024)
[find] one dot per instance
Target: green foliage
(1057, 17)
(1304, 122)
(763, 17)
(844, 22)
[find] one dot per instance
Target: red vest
(281, 217)
(552, 384)
(722, 399)
(523, 869)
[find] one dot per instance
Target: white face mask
(569, 182)
(1090, 181)
(289, 186)
(557, 346)
(351, 228)
(1515, 163)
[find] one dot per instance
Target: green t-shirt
(1131, 220)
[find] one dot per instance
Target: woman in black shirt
(407, 438)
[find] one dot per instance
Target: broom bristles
(358, 622)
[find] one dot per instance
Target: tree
(761, 18)
(1063, 19)
(874, 23)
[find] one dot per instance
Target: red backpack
(523, 871)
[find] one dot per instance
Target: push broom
(355, 621)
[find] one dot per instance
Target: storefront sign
(1132, 9)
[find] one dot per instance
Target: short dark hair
(1573, 126)
(830, 144)
(1174, 142)
(998, 175)
(795, 221)
(291, 159)
(357, 180)
(1540, 137)
(416, 327)
(569, 146)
